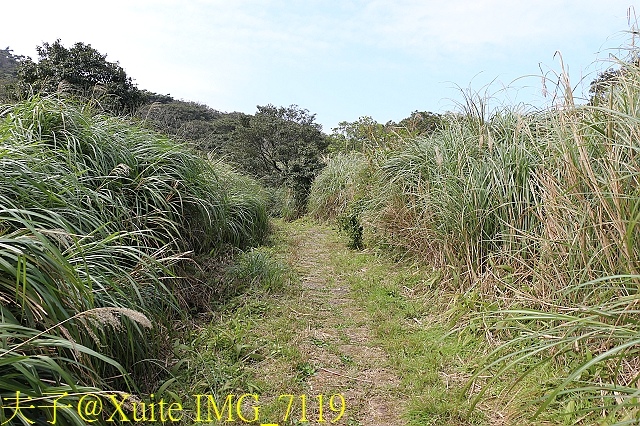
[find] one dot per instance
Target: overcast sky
(340, 59)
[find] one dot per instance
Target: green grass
(262, 340)
(420, 349)
(517, 210)
(592, 346)
(98, 217)
(221, 352)
(258, 267)
(338, 185)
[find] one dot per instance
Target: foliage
(368, 136)
(604, 83)
(8, 72)
(595, 345)
(339, 184)
(258, 268)
(81, 69)
(591, 203)
(350, 222)
(149, 98)
(510, 190)
(281, 147)
(362, 135)
(96, 218)
(421, 123)
(282, 204)
(338, 194)
(201, 126)
(521, 208)
(8, 64)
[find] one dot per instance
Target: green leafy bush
(350, 223)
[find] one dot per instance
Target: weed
(258, 267)
(347, 360)
(350, 224)
(305, 370)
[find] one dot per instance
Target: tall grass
(456, 197)
(591, 254)
(341, 182)
(96, 217)
(551, 197)
(338, 192)
(522, 208)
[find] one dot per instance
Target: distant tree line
(8, 73)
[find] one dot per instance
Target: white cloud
(469, 27)
(232, 52)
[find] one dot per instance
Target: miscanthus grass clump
(97, 215)
(536, 216)
(338, 185)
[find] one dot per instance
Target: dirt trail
(336, 340)
(320, 336)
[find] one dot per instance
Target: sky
(339, 59)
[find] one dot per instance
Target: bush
(258, 268)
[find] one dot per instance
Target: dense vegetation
(83, 70)
(117, 217)
(532, 215)
(8, 73)
(98, 217)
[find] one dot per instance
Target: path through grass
(353, 325)
(338, 353)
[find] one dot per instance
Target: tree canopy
(8, 71)
(282, 146)
(8, 64)
(85, 71)
(366, 134)
(191, 122)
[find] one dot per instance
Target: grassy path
(355, 325)
(335, 334)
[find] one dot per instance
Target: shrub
(258, 267)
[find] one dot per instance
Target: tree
(85, 70)
(362, 135)
(191, 122)
(421, 123)
(367, 135)
(282, 146)
(8, 71)
(611, 78)
(8, 64)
